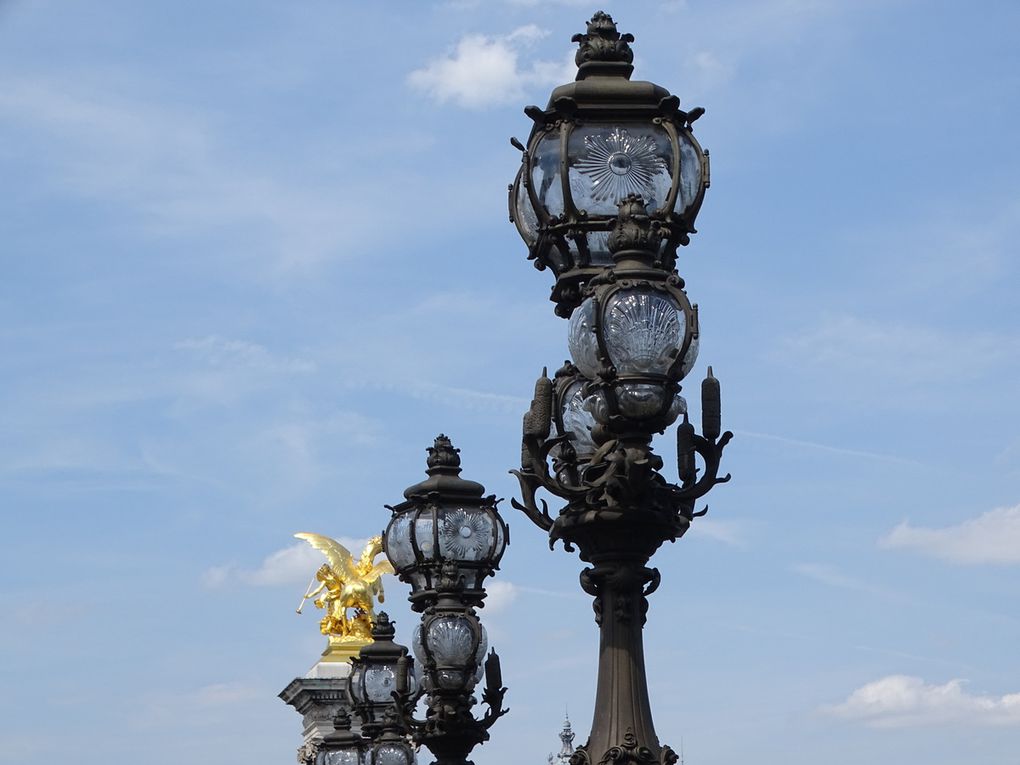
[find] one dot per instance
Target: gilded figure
(347, 589)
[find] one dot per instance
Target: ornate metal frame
(603, 93)
(442, 489)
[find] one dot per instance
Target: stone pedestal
(318, 697)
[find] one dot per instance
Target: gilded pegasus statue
(346, 584)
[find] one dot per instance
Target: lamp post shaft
(623, 716)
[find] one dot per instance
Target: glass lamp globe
(636, 341)
(376, 671)
(600, 139)
(451, 648)
(445, 520)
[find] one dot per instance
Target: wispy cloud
(832, 577)
(295, 564)
(225, 352)
(900, 353)
(173, 172)
(484, 71)
(992, 537)
(827, 448)
(825, 574)
(901, 701)
(208, 705)
(729, 532)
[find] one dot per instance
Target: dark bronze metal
(618, 507)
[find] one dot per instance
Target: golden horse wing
(339, 557)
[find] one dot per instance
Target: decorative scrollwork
(628, 751)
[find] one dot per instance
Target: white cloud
(992, 537)
(825, 447)
(291, 565)
(500, 595)
(485, 71)
(224, 352)
(828, 575)
(728, 532)
(900, 701)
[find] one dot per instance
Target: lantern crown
(602, 49)
(444, 473)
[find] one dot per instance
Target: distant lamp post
(390, 745)
(443, 541)
(343, 746)
(378, 671)
(445, 522)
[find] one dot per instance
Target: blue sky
(256, 257)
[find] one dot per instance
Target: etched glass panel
(527, 220)
(581, 339)
(423, 537)
(691, 357)
(391, 754)
(356, 689)
(678, 407)
(605, 163)
(639, 400)
(380, 682)
(343, 757)
(598, 248)
(578, 421)
(690, 175)
(450, 679)
(545, 173)
(497, 551)
(398, 541)
(643, 331)
(417, 647)
(465, 534)
(451, 640)
(483, 647)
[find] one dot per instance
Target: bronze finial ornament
(602, 44)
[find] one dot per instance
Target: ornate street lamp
(343, 746)
(378, 671)
(443, 541)
(600, 139)
(445, 521)
(390, 745)
(611, 182)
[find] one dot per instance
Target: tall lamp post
(610, 184)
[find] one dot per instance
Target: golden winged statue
(346, 584)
